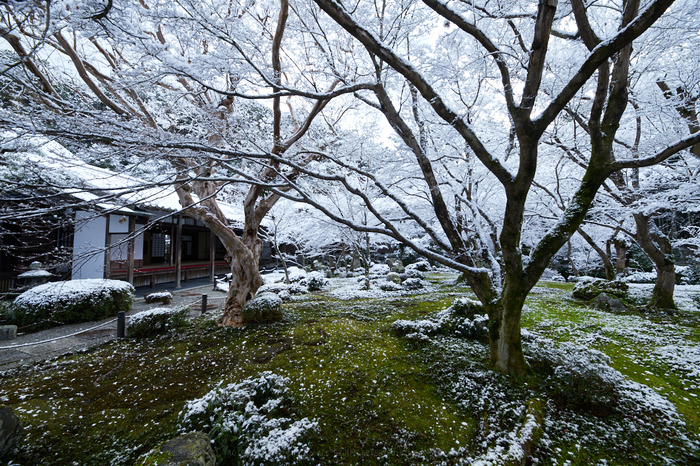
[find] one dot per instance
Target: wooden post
(178, 252)
(212, 256)
(130, 250)
(204, 303)
(121, 324)
(108, 255)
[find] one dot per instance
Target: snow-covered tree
(523, 55)
(175, 82)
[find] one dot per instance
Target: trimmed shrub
(421, 266)
(390, 286)
(413, 283)
(393, 277)
(72, 301)
(315, 281)
(264, 308)
(156, 321)
(163, 297)
(467, 307)
(249, 422)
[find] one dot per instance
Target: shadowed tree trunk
(621, 248)
(607, 264)
(657, 246)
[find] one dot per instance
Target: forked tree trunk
(657, 246)
(245, 281)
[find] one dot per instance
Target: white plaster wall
(118, 224)
(88, 246)
(119, 252)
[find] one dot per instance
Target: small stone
(8, 332)
(10, 427)
(606, 302)
(192, 449)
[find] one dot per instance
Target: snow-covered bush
(416, 330)
(155, 321)
(413, 283)
(248, 422)
(296, 274)
(393, 277)
(264, 308)
(421, 266)
(688, 275)
(315, 281)
(379, 269)
(589, 289)
(164, 297)
(390, 286)
(467, 307)
(638, 276)
(71, 301)
(461, 319)
(552, 276)
(583, 380)
(291, 288)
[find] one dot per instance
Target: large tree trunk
(504, 333)
(621, 248)
(657, 246)
(245, 281)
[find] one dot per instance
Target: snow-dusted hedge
(315, 281)
(154, 321)
(164, 297)
(71, 301)
(248, 422)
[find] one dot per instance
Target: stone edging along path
(32, 347)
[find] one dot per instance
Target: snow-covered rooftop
(104, 188)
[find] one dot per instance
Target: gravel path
(32, 347)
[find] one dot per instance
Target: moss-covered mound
(587, 290)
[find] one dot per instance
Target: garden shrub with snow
(379, 269)
(279, 287)
(461, 319)
(264, 308)
(156, 321)
(420, 266)
(315, 281)
(71, 301)
(249, 422)
(413, 283)
(390, 286)
(296, 274)
(164, 297)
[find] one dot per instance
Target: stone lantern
(35, 275)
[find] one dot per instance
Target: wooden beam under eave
(108, 250)
(178, 252)
(131, 246)
(212, 255)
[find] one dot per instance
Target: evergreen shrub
(68, 302)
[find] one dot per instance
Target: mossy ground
(378, 399)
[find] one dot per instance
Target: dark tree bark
(607, 264)
(658, 248)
